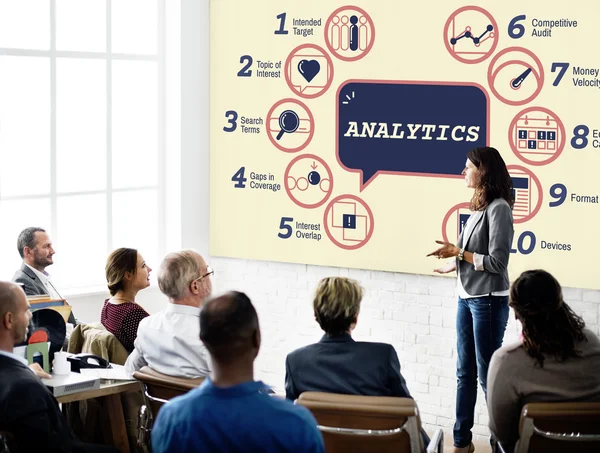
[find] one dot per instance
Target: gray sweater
(515, 380)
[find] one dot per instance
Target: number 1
(281, 30)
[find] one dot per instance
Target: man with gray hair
(169, 341)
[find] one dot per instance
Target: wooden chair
(157, 389)
(559, 428)
(369, 423)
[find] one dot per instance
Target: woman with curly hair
(556, 360)
(481, 263)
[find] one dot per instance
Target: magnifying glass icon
(288, 122)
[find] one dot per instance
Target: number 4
(563, 69)
(239, 178)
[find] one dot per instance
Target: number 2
(245, 71)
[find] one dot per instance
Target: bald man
(231, 412)
(28, 410)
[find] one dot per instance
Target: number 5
(287, 228)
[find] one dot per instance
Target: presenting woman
(481, 263)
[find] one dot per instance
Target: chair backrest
(365, 423)
(159, 388)
(560, 427)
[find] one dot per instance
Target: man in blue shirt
(231, 412)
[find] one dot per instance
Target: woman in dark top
(126, 274)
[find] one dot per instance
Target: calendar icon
(537, 136)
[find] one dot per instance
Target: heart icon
(309, 69)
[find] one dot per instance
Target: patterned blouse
(122, 320)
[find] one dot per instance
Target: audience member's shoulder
(177, 406)
(302, 352)
(509, 350)
(592, 339)
(29, 384)
(375, 347)
(288, 409)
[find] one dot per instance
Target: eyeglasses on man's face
(209, 271)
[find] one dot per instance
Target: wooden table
(110, 392)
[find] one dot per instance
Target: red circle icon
(537, 136)
(349, 33)
(471, 34)
(528, 193)
(308, 181)
(516, 76)
(290, 125)
(348, 222)
(451, 229)
(308, 71)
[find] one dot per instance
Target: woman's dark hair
(118, 263)
(494, 182)
(550, 327)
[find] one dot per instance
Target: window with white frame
(82, 132)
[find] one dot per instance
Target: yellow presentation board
(338, 131)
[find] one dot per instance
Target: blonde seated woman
(337, 363)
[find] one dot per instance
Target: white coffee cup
(61, 364)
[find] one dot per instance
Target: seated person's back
(169, 341)
(337, 363)
(126, 274)
(234, 419)
(557, 360)
(230, 412)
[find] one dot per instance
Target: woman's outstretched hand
(449, 267)
(447, 250)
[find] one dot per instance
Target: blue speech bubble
(409, 128)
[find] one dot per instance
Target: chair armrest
(436, 444)
(498, 448)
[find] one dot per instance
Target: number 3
(232, 117)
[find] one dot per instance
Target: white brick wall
(415, 313)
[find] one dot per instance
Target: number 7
(563, 68)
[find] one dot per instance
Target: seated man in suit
(28, 410)
(169, 341)
(231, 412)
(337, 363)
(35, 247)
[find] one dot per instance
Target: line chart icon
(471, 34)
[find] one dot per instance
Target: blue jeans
(480, 326)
